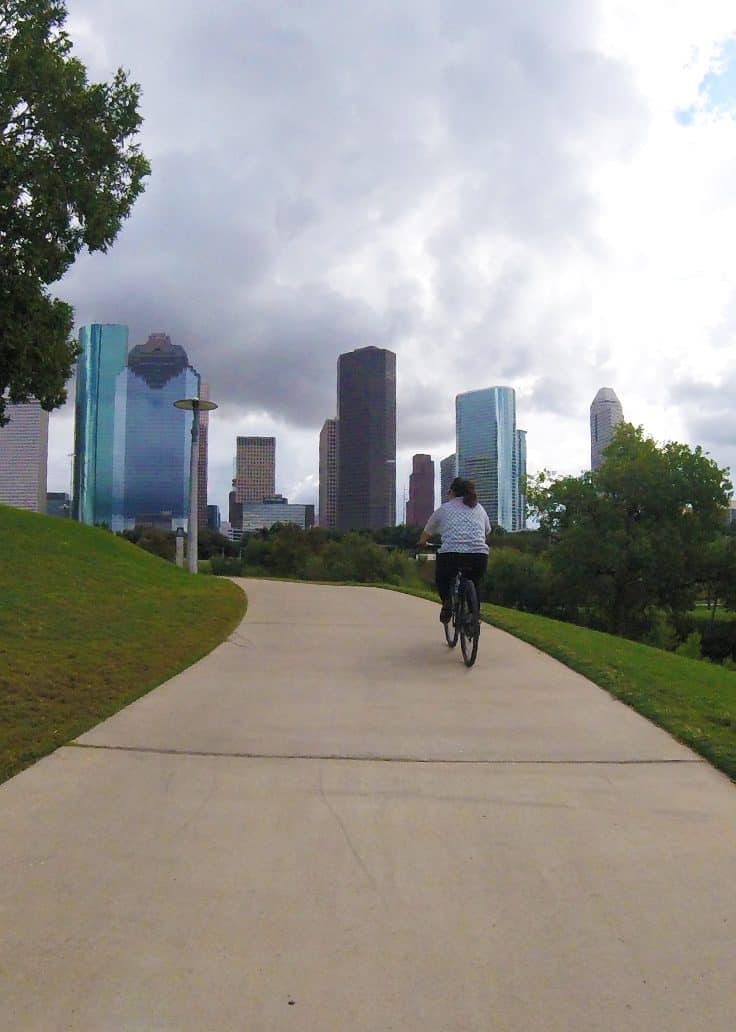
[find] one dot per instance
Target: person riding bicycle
(463, 525)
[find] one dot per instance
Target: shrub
(518, 580)
(690, 647)
(226, 566)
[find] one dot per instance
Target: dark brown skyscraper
(366, 443)
(421, 491)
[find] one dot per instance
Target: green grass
(694, 700)
(88, 623)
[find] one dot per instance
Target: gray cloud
(326, 175)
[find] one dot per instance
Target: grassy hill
(89, 622)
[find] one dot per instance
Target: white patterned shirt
(462, 529)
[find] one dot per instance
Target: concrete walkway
(330, 824)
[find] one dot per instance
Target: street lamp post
(196, 405)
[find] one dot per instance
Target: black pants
(473, 565)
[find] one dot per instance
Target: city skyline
(537, 200)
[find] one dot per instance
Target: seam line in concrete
(363, 758)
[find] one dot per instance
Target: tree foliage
(627, 539)
(70, 171)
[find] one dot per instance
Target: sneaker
(445, 612)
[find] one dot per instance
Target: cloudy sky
(538, 194)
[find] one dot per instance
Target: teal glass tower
(487, 449)
(104, 351)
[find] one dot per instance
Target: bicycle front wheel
(469, 620)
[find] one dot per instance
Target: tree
(70, 172)
(717, 573)
(626, 539)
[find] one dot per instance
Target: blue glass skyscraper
(152, 438)
(103, 355)
(487, 450)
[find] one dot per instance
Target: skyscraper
(328, 474)
(204, 422)
(605, 414)
(366, 443)
(24, 447)
(448, 472)
(519, 515)
(102, 359)
(152, 438)
(487, 449)
(421, 491)
(255, 469)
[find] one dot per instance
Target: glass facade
(102, 359)
(448, 472)
(24, 446)
(421, 491)
(605, 415)
(487, 449)
(152, 439)
(328, 474)
(520, 481)
(366, 439)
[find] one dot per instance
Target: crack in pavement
(369, 758)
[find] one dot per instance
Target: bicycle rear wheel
(469, 620)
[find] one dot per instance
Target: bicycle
(464, 623)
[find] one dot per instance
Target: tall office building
(328, 475)
(204, 422)
(487, 449)
(605, 414)
(255, 469)
(104, 350)
(519, 515)
(366, 443)
(152, 438)
(421, 491)
(24, 448)
(448, 472)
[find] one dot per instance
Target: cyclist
(463, 525)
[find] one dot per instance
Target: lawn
(692, 699)
(88, 623)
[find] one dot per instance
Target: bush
(690, 647)
(660, 632)
(226, 566)
(518, 580)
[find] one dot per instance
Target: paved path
(330, 824)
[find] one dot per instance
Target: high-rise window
(605, 414)
(255, 469)
(204, 423)
(421, 491)
(519, 520)
(448, 472)
(328, 474)
(366, 443)
(487, 449)
(102, 359)
(152, 438)
(24, 446)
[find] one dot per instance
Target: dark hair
(465, 489)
